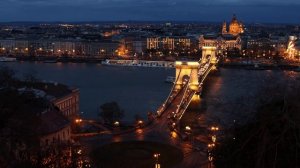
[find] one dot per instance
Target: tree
(30, 77)
(111, 112)
(271, 139)
(7, 77)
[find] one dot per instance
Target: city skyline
(270, 11)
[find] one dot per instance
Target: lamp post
(210, 159)
(188, 131)
(116, 123)
(140, 123)
(156, 157)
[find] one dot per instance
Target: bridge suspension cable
(171, 96)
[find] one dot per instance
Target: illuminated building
(64, 48)
(110, 33)
(222, 43)
(135, 46)
(235, 27)
(153, 43)
(169, 43)
(224, 28)
(227, 40)
(293, 49)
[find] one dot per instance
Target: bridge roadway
(159, 130)
(204, 70)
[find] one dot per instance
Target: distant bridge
(187, 86)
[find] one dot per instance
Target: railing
(186, 104)
(185, 91)
(203, 77)
(163, 107)
(187, 98)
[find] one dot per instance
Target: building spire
(234, 17)
(224, 28)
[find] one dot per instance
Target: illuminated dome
(235, 27)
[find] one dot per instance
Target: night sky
(272, 11)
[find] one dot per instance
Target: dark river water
(227, 94)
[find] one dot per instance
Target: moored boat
(170, 79)
(7, 59)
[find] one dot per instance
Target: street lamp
(140, 123)
(188, 128)
(210, 146)
(156, 157)
(213, 128)
(77, 121)
(116, 123)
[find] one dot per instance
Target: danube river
(139, 90)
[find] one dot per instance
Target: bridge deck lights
(211, 145)
(213, 128)
(77, 121)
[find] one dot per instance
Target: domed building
(293, 49)
(235, 27)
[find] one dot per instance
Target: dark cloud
(198, 10)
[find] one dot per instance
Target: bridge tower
(209, 52)
(186, 70)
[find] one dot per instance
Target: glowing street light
(116, 123)
(174, 134)
(77, 121)
(156, 157)
(188, 128)
(140, 123)
(211, 145)
(213, 128)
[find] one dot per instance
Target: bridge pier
(187, 71)
(209, 52)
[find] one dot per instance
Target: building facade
(55, 128)
(222, 43)
(68, 104)
(293, 49)
(168, 43)
(235, 27)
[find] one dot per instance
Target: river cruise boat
(170, 79)
(7, 59)
(138, 63)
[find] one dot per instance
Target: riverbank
(260, 66)
(61, 59)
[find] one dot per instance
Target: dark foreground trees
(111, 112)
(271, 140)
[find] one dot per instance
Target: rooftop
(53, 89)
(52, 121)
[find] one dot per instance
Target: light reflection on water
(137, 90)
(232, 94)
(226, 96)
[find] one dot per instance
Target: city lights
(154, 94)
